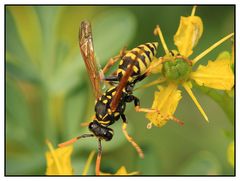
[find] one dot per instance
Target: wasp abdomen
(144, 53)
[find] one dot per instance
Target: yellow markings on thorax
(104, 122)
(113, 93)
(116, 114)
(105, 101)
(109, 111)
(121, 62)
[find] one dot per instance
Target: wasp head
(101, 131)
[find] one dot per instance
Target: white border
(118, 2)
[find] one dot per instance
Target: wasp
(111, 104)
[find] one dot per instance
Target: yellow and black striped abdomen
(144, 53)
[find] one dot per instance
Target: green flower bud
(176, 70)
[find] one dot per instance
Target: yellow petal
(189, 32)
(217, 74)
(88, 163)
(121, 171)
(59, 160)
(165, 101)
(230, 154)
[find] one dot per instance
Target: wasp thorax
(177, 68)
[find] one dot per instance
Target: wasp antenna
(73, 140)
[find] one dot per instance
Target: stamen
(193, 10)
(211, 48)
(157, 31)
(88, 162)
(189, 91)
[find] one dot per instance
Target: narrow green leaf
(29, 30)
(14, 45)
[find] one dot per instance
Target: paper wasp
(110, 105)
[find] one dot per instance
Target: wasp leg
(113, 60)
(148, 71)
(138, 108)
(99, 156)
(129, 138)
(111, 78)
(158, 81)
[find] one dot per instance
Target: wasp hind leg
(129, 138)
(113, 60)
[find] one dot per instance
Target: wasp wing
(87, 50)
(123, 82)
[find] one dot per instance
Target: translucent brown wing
(87, 51)
(123, 82)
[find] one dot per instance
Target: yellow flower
(59, 160)
(176, 69)
(121, 171)
(230, 154)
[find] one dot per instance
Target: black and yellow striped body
(103, 112)
(145, 54)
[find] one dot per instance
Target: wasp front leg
(131, 98)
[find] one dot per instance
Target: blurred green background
(48, 93)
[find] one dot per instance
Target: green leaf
(112, 30)
(149, 165)
(223, 99)
(29, 30)
(202, 163)
(14, 44)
